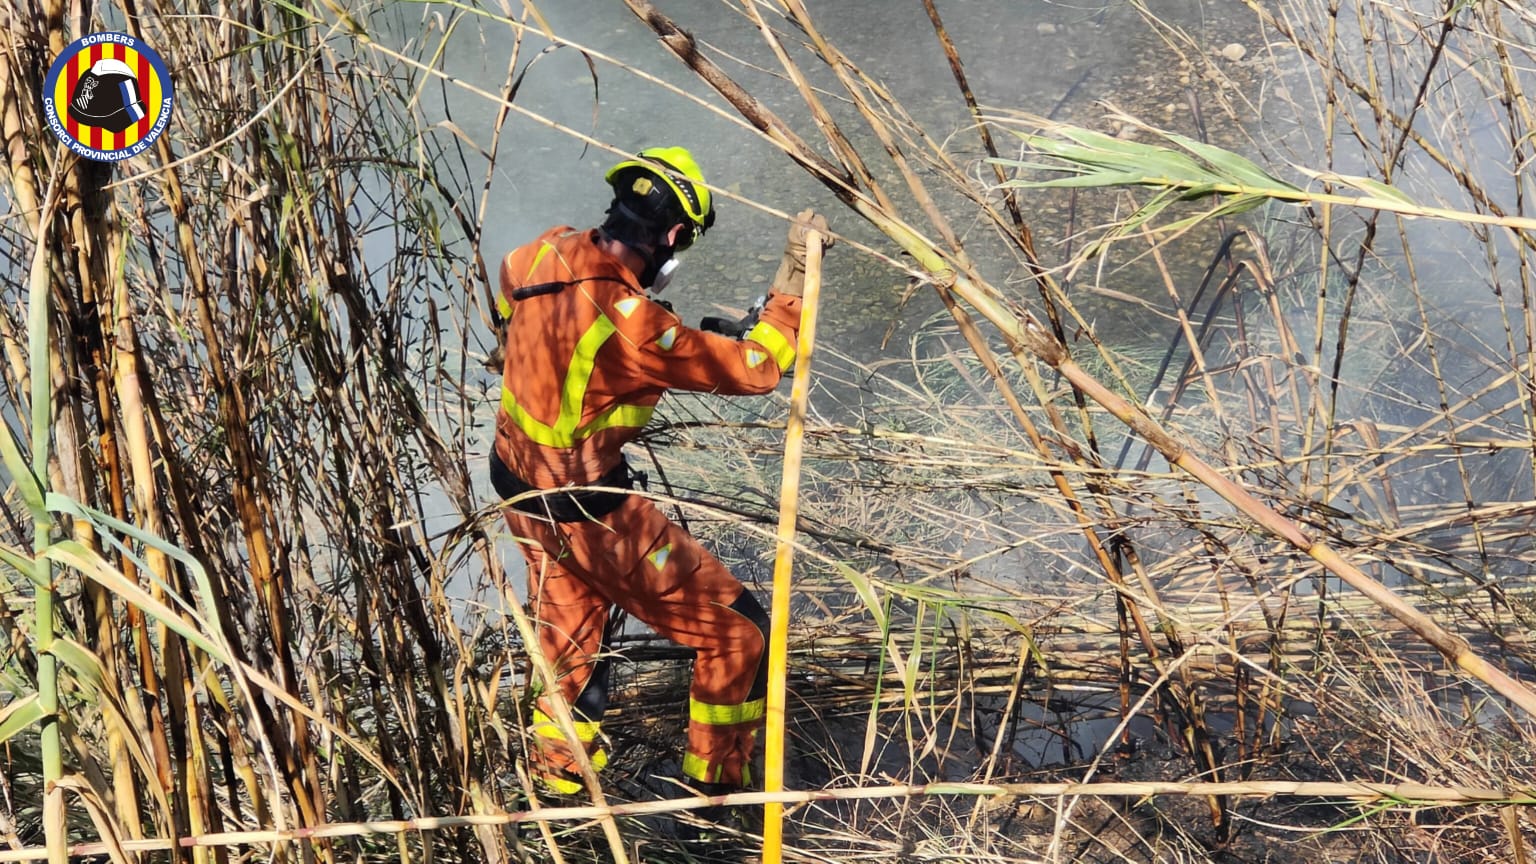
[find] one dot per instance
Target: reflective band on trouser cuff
(725, 715)
(561, 784)
(586, 732)
(599, 761)
(698, 769)
(778, 345)
(545, 727)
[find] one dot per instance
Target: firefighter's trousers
(639, 560)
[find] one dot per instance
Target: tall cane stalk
(52, 738)
(783, 558)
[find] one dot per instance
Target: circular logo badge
(108, 96)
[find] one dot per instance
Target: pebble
(1234, 51)
(1045, 29)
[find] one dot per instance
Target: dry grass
(266, 342)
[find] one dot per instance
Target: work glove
(790, 279)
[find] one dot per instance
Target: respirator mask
(663, 276)
(663, 263)
(659, 269)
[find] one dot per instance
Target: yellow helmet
(681, 194)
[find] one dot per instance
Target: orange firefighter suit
(588, 355)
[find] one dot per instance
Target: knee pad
(747, 606)
(592, 702)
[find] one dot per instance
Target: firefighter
(588, 353)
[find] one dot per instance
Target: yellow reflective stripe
(778, 345)
(599, 760)
(561, 785)
(573, 393)
(580, 374)
(503, 306)
(725, 715)
(543, 250)
(545, 727)
(635, 416)
(698, 769)
(619, 415)
(530, 425)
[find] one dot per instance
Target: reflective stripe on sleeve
(725, 715)
(777, 343)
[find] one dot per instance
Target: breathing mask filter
(663, 276)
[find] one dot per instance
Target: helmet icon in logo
(107, 97)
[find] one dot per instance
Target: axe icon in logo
(107, 97)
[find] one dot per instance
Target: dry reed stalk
(236, 420)
(1405, 795)
(919, 192)
(561, 710)
(259, 249)
(445, 692)
(1523, 229)
(784, 551)
(1025, 333)
(1188, 707)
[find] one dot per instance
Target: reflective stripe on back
(573, 393)
(579, 373)
(632, 416)
(543, 250)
